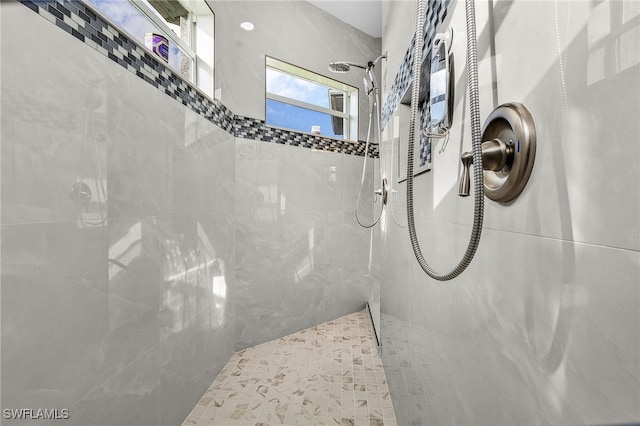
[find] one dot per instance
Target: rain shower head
(339, 67)
(342, 67)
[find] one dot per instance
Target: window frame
(350, 93)
(152, 15)
(189, 49)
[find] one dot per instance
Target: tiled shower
(210, 233)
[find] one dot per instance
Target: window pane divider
(305, 105)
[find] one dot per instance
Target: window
(301, 100)
(180, 32)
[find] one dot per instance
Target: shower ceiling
(365, 15)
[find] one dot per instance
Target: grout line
(546, 237)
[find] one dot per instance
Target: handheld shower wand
(371, 89)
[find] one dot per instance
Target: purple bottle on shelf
(158, 45)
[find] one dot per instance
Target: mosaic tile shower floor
(330, 374)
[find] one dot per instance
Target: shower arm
(371, 64)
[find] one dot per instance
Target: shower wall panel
(292, 31)
(544, 326)
(118, 308)
(132, 288)
(302, 259)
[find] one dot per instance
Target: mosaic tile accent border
(425, 142)
(85, 24)
(400, 85)
(436, 12)
(256, 129)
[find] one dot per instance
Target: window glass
(167, 27)
(301, 100)
(131, 19)
(301, 119)
(289, 86)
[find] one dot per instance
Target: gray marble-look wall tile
(199, 167)
(375, 279)
(553, 336)
(271, 308)
(130, 397)
(287, 275)
(133, 135)
(306, 179)
(249, 197)
(290, 247)
(197, 258)
(246, 149)
(291, 240)
(190, 361)
(169, 148)
(357, 241)
(283, 272)
(217, 243)
(54, 313)
(185, 285)
(361, 260)
(215, 168)
(86, 301)
(154, 170)
(134, 265)
(354, 290)
(571, 186)
(546, 332)
(51, 137)
(169, 276)
(352, 186)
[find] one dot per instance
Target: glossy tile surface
(120, 309)
(142, 278)
(329, 374)
(52, 137)
(544, 325)
(301, 257)
(54, 299)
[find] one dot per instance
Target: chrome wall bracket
(508, 153)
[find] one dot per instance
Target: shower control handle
(495, 156)
(508, 153)
(383, 191)
(465, 181)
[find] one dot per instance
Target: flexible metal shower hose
(372, 104)
(476, 143)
